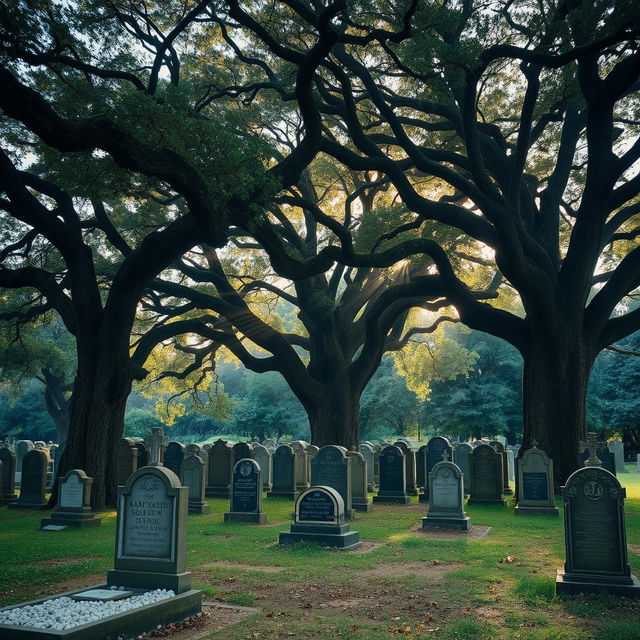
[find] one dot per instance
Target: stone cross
(445, 454)
(534, 444)
(156, 442)
(592, 445)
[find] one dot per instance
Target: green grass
(451, 589)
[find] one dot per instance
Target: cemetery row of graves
(360, 503)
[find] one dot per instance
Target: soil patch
(634, 547)
(225, 564)
(425, 569)
(58, 562)
(476, 533)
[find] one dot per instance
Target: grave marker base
(536, 511)
(199, 507)
(398, 498)
(77, 520)
(487, 501)
(360, 504)
(567, 584)
(424, 498)
(149, 580)
(292, 495)
(129, 624)
(40, 506)
(239, 516)
(442, 522)
(335, 536)
(217, 492)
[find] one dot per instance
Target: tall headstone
(617, 449)
(195, 479)
(331, 468)
(461, 457)
(143, 453)
(246, 493)
(535, 484)
(174, 457)
(510, 465)
(369, 453)
(303, 469)
(220, 466)
(486, 476)
(8, 476)
(595, 536)
(284, 473)
(421, 466)
(74, 503)
(499, 448)
(359, 471)
(410, 465)
(22, 447)
(242, 450)
(263, 458)
(320, 517)
(446, 498)
(435, 450)
(126, 460)
(34, 481)
(392, 487)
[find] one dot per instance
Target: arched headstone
(392, 487)
(446, 499)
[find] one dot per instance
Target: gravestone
(319, 517)
(270, 444)
(40, 444)
(197, 450)
(151, 531)
(410, 465)
(8, 475)
(195, 479)
(510, 465)
(499, 448)
(303, 469)
(486, 476)
(241, 451)
(174, 457)
(392, 487)
(34, 481)
(446, 498)
(74, 503)
(435, 450)
(617, 449)
(263, 458)
(143, 454)
(602, 452)
(461, 457)
(246, 493)
(359, 471)
(220, 466)
(331, 468)
(369, 453)
(284, 473)
(595, 536)
(535, 484)
(421, 466)
(126, 460)
(22, 447)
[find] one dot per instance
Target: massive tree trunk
(557, 364)
(334, 418)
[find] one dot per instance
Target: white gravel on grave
(65, 613)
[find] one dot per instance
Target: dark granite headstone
(242, 450)
(486, 476)
(421, 465)
(8, 475)
(410, 466)
(461, 455)
(74, 503)
(126, 460)
(435, 450)
(392, 487)
(595, 536)
(446, 499)
(194, 478)
(369, 453)
(34, 480)
(284, 473)
(319, 517)
(143, 454)
(220, 466)
(262, 456)
(174, 457)
(331, 468)
(246, 493)
(617, 449)
(535, 484)
(151, 532)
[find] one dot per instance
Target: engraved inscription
(534, 486)
(316, 506)
(71, 493)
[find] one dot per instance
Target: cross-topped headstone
(534, 444)
(156, 442)
(445, 455)
(592, 445)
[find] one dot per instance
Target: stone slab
(150, 580)
(392, 499)
(129, 624)
(54, 527)
(459, 524)
(570, 586)
(349, 540)
(536, 511)
(77, 523)
(102, 595)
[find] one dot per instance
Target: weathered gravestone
(369, 454)
(126, 460)
(8, 475)
(499, 448)
(319, 517)
(174, 457)
(410, 466)
(421, 466)
(241, 451)
(510, 465)
(535, 484)
(303, 464)
(392, 487)
(284, 473)
(34, 481)
(359, 470)
(331, 468)
(270, 444)
(617, 449)
(143, 454)
(40, 444)
(435, 450)
(263, 458)
(220, 466)
(246, 493)
(446, 498)
(22, 447)
(595, 536)
(607, 460)
(461, 457)
(74, 503)
(486, 476)
(197, 450)
(195, 479)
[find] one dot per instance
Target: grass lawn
(403, 583)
